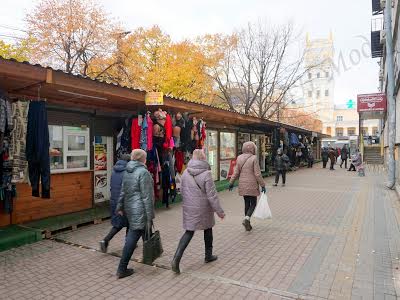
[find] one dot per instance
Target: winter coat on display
(115, 186)
(200, 197)
(143, 135)
(137, 198)
(168, 132)
(281, 162)
(248, 171)
(135, 134)
(149, 133)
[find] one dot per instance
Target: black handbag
(152, 247)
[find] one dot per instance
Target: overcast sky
(349, 21)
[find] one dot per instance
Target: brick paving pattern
(333, 236)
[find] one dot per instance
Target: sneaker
(103, 246)
(283, 184)
(275, 184)
(246, 224)
(127, 273)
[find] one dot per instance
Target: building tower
(319, 83)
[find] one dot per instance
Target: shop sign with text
(371, 102)
(154, 98)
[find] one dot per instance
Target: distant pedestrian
(325, 157)
(310, 158)
(136, 202)
(248, 171)
(344, 155)
(200, 202)
(281, 167)
(332, 157)
(117, 221)
(299, 155)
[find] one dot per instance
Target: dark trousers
(352, 167)
(131, 240)
(114, 230)
(280, 172)
(332, 164)
(324, 163)
(187, 237)
(345, 163)
(37, 148)
(310, 163)
(40, 172)
(250, 203)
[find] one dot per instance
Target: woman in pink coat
(248, 171)
(200, 201)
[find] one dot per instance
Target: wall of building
(69, 193)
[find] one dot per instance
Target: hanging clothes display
(149, 132)
(125, 146)
(135, 134)
(37, 148)
(143, 135)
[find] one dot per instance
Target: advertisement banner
(100, 157)
(371, 102)
(154, 98)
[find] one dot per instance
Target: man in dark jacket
(344, 155)
(117, 221)
(281, 166)
(325, 157)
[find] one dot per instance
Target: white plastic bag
(339, 160)
(262, 210)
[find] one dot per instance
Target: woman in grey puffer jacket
(137, 203)
(200, 201)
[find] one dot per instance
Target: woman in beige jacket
(247, 170)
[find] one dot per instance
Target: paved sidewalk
(333, 236)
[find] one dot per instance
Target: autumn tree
(259, 69)
(300, 118)
(20, 51)
(152, 61)
(70, 34)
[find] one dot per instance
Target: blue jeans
(131, 240)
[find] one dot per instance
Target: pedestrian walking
(281, 166)
(325, 157)
(310, 159)
(136, 202)
(200, 202)
(344, 155)
(247, 170)
(332, 157)
(117, 221)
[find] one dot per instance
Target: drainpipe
(390, 95)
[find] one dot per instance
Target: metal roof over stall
(31, 81)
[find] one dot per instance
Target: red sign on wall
(371, 102)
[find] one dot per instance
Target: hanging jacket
(149, 133)
(135, 134)
(143, 135)
(179, 160)
(168, 132)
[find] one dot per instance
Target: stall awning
(25, 80)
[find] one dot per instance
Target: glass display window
(227, 145)
(69, 148)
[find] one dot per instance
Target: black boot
(126, 273)
(183, 243)
(208, 241)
